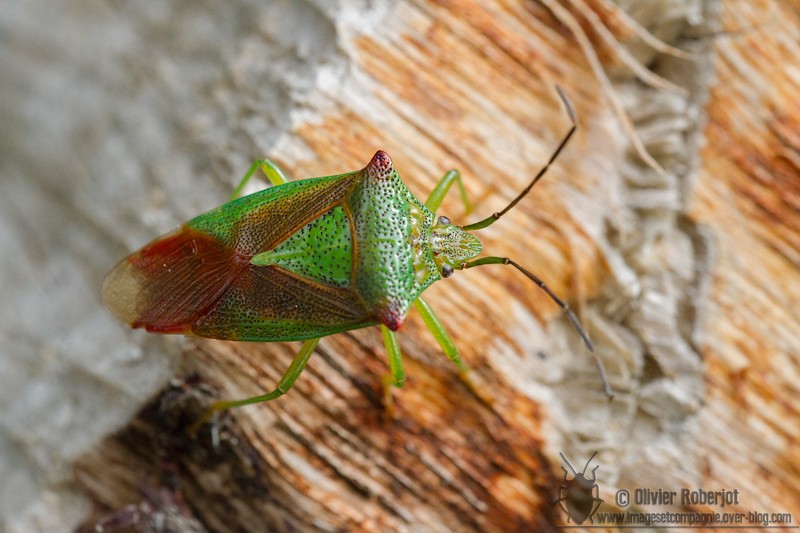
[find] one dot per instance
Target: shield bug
(306, 259)
(579, 497)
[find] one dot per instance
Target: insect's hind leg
(440, 191)
(270, 169)
(286, 382)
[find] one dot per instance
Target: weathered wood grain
(670, 224)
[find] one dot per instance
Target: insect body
(581, 494)
(303, 260)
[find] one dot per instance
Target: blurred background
(670, 223)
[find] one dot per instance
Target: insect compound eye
(447, 271)
(443, 220)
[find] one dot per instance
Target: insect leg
(440, 191)
(561, 303)
(287, 380)
(450, 350)
(271, 170)
(398, 376)
(439, 333)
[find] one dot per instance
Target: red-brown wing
(199, 279)
(171, 282)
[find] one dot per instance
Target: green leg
(437, 195)
(450, 350)
(439, 333)
(272, 171)
(287, 380)
(397, 376)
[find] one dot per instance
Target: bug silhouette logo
(579, 495)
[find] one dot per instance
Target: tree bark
(669, 223)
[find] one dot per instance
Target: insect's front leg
(396, 376)
(440, 191)
(439, 333)
(449, 348)
(271, 170)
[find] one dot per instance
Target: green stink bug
(306, 259)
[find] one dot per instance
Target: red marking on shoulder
(380, 166)
(391, 316)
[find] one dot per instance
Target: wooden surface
(670, 224)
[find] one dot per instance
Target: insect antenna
(561, 303)
(488, 221)
(574, 473)
(587, 464)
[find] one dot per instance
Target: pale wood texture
(670, 224)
